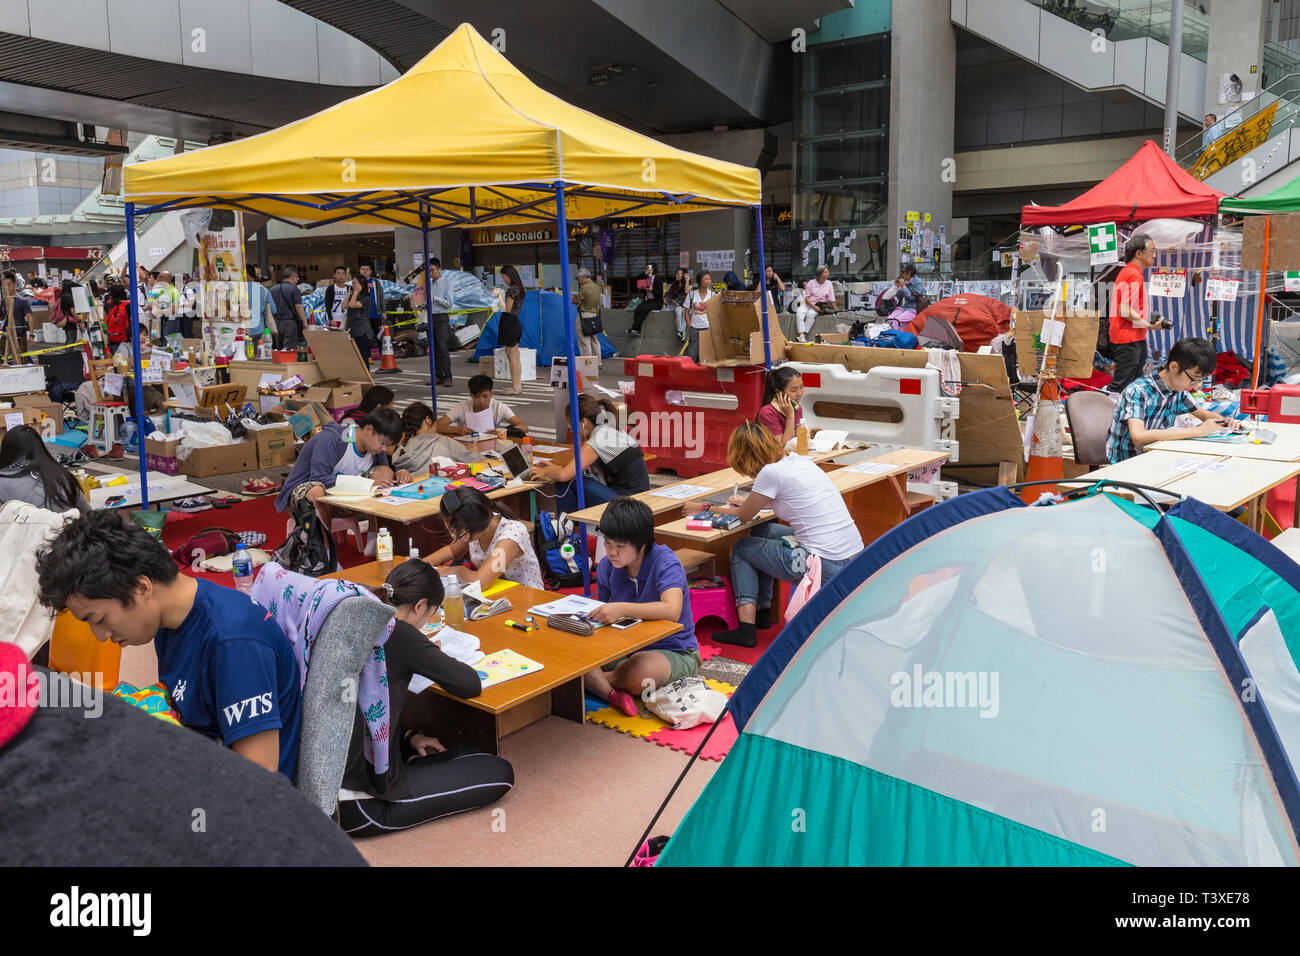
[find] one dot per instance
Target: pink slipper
(623, 701)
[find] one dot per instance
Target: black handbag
(591, 325)
(310, 548)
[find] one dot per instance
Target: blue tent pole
(135, 354)
(571, 345)
(762, 285)
(428, 309)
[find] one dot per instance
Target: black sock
(742, 636)
(763, 618)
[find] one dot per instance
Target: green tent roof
(1283, 199)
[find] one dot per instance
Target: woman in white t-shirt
(814, 520)
(496, 544)
(696, 301)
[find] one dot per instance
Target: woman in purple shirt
(643, 580)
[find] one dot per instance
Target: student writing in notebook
(480, 413)
(643, 580)
(495, 543)
(352, 449)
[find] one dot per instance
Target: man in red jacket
(1129, 317)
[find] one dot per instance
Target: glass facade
(37, 184)
(841, 158)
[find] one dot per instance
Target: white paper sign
(1291, 281)
(112, 384)
(186, 397)
(153, 375)
(1167, 285)
(80, 300)
(871, 468)
(13, 419)
(682, 492)
(480, 422)
(1052, 332)
(162, 358)
(1221, 290)
(1103, 243)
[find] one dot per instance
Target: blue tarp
(544, 333)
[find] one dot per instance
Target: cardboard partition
(1073, 360)
(337, 356)
(988, 430)
(831, 338)
(735, 332)
(221, 460)
(303, 417)
(335, 393)
(1283, 243)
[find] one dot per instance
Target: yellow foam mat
(644, 723)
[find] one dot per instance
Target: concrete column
(1236, 45)
(922, 92)
(409, 242)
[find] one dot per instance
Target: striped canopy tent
(469, 141)
(1092, 683)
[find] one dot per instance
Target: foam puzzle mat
(647, 726)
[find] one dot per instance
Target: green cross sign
(1103, 243)
(1102, 238)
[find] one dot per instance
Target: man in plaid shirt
(1149, 407)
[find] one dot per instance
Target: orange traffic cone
(1045, 462)
(387, 360)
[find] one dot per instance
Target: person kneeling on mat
(423, 780)
(645, 581)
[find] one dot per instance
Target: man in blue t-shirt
(230, 671)
(641, 580)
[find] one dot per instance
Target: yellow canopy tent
(469, 141)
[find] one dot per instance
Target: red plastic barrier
(1280, 403)
(690, 437)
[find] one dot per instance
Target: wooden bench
(695, 561)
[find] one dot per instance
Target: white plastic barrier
(928, 417)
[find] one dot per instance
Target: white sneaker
(371, 539)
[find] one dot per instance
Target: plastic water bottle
(453, 604)
(242, 566)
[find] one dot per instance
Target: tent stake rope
(673, 792)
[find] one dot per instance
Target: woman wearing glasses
(496, 544)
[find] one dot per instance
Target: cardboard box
(275, 447)
(160, 454)
(205, 401)
(1073, 359)
(39, 402)
(249, 374)
(221, 460)
(344, 374)
(306, 418)
(735, 332)
(335, 393)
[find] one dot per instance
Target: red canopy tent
(1149, 186)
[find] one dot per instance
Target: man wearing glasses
(1129, 319)
(1148, 408)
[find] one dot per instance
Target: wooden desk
(877, 502)
(664, 509)
(1286, 448)
(557, 689)
(161, 488)
(420, 522)
(1241, 481)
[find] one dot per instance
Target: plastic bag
(201, 435)
(687, 702)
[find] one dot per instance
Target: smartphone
(623, 623)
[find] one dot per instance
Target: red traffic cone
(387, 360)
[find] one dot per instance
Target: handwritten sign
(13, 419)
(152, 375)
(1221, 290)
(1235, 144)
(162, 358)
(1168, 285)
(112, 384)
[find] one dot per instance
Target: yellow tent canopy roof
(464, 133)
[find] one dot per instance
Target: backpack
(550, 534)
(208, 543)
(310, 548)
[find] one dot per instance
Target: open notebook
(351, 487)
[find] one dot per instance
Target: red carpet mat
(254, 514)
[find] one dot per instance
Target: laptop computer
(516, 463)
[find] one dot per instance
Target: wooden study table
(664, 508)
(1286, 448)
(877, 501)
(557, 688)
(419, 520)
(1232, 481)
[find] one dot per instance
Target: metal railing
(1134, 19)
(1275, 110)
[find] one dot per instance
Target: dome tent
(1087, 683)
